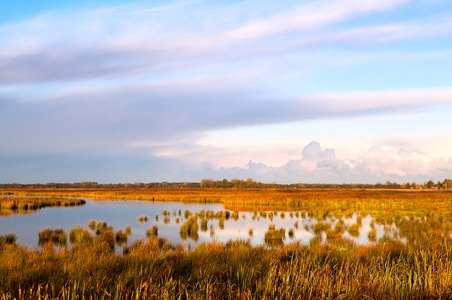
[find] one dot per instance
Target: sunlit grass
(152, 231)
(26, 205)
(144, 219)
(412, 260)
(57, 237)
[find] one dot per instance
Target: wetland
(216, 243)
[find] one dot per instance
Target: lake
(119, 214)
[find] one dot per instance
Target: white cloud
(308, 16)
(115, 42)
(317, 165)
(374, 164)
(157, 81)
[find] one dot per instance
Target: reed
(221, 223)
(204, 225)
(79, 235)
(274, 237)
(156, 269)
(152, 231)
(166, 219)
(121, 236)
(190, 229)
(291, 233)
(144, 219)
(57, 237)
(235, 215)
(212, 232)
(8, 239)
(26, 205)
(372, 235)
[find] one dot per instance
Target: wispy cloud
(153, 81)
(114, 42)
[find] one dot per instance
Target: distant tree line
(233, 183)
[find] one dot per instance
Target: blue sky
(299, 91)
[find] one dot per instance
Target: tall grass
(57, 237)
(190, 229)
(156, 269)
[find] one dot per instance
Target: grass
(121, 237)
(144, 219)
(221, 271)
(235, 269)
(25, 205)
(274, 237)
(418, 267)
(190, 229)
(57, 237)
(9, 238)
(152, 231)
(204, 225)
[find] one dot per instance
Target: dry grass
(156, 269)
(419, 268)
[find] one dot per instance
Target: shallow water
(120, 214)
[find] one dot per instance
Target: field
(412, 262)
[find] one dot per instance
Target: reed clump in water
(152, 231)
(121, 236)
(54, 236)
(144, 219)
(190, 229)
(79, 235)
(274, 237)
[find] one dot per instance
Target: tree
(430, 184)
(207, 183)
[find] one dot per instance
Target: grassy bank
(265, 198)
(156, 269)
(24, 205)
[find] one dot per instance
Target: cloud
(152, 81)
(308, 16)
(113, 118)
(132, 40)
(322, 166)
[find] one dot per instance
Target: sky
(326, 91)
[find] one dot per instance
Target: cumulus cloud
(322, 166)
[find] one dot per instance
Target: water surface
(121, 213)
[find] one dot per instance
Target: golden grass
(418, 268)
(156, 269)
